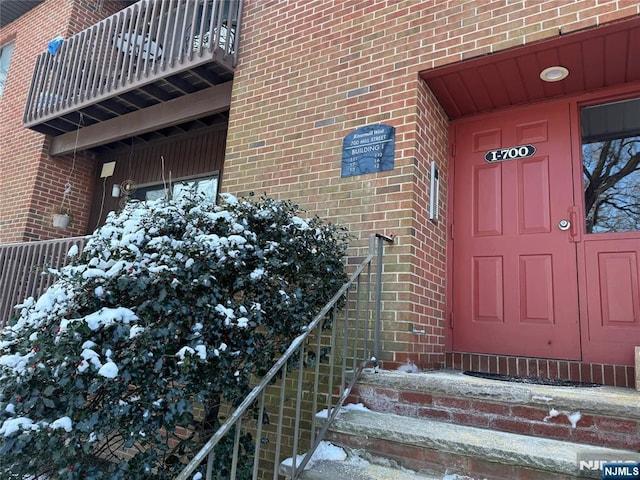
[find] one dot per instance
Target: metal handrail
(361, 358)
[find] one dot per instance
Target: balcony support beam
(189, 107)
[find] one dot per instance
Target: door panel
(613, 300)
(533, 196)
(515, 274)
(487, 201)
(488, 282)
(536, 292)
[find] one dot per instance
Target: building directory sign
(368, 149)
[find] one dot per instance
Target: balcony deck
(151, 52)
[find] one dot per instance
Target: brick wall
(33, 182)
(312, 71)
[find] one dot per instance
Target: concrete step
(601, 416)
(357, 469)
(440, 448)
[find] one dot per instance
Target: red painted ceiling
(596, 58)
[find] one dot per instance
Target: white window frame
(177, 186)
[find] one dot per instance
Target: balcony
(151, 53)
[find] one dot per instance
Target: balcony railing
(150, 52)
(24, 270)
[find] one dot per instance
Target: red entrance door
(514, 268)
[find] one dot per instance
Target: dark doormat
(533, 380)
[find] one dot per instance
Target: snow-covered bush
(171, 305)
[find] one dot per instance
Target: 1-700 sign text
(511, 153)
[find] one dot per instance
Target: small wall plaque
(368, 149)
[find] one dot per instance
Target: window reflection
(207, 186)
(611, 167)
(6, 51)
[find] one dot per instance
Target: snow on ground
(349, 406)
(330, 452)
(325, 451)
(409, 367)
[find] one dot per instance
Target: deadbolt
(564, 225)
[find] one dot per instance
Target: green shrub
(171, 304)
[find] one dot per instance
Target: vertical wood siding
(190, 155)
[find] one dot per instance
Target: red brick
(586, 421)
(597, 373)
(529, 413)
(510, 425)
(485, 469)
(607, 439)
(502, 366)
(521, 367)
(450, 402)
(434, 413)
(609, 377)
(620, 376)
(474, 420)
(563, 372)
(551, 431)
(616, 425)
(528, 474)
(416, 397)
(489, 407)
(574, 371)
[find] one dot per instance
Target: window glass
(208, 186)
(611, 166)
(5, 58)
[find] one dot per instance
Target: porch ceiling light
(554, 74)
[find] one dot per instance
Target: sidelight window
(611, 166)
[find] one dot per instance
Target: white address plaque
(511, 153)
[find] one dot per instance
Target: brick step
(439, 448)
(602, 416)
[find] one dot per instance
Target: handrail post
(378, 302)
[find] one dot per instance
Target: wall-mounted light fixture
(434, 194)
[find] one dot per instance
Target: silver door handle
(564, 225)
